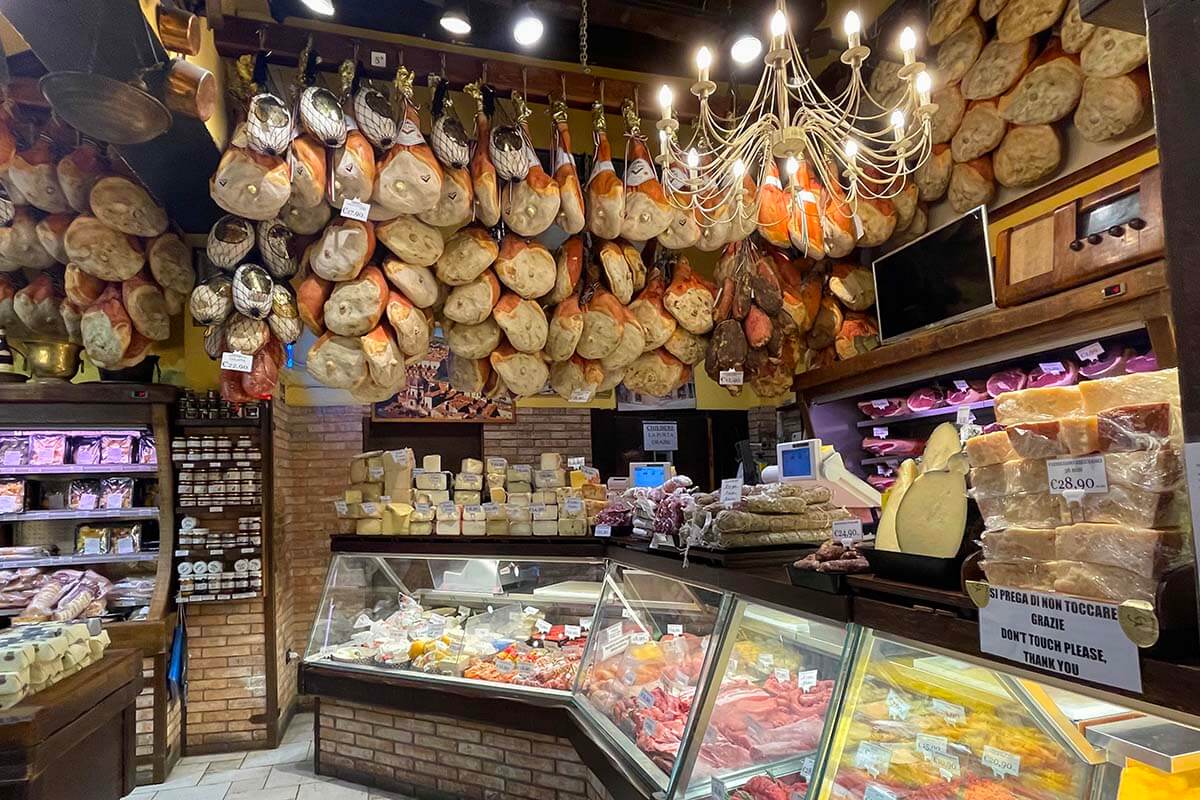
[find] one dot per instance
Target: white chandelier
(850, 141)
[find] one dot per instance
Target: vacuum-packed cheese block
(428, 481)
(445, 511)
(1036, 510)
(519, 488)
(496, 527)
(431, 463)
(1036, 405)
(437, 496)
(1079, 435)
(1101, 582)
(473, 512)
(549, 478)
(468, 498)
(494, 511)
(423, 512)
(519, 472)
(543, 496)
(472, 466)
(1146, 426)
(1129, 505)
(1018, 476)
(1161, 386)
(519, 499)
(1136, 549)
(1015, 544)
(420, 528)
(468, 482)
(474, 528)
(1157, 470)
(572, 527)
(352, 496)
(594, 491)
(497, 494)
(542, 511)
(1036, 439)
(1024, 574)
(368, 526)
(545, 527)
(550, 461)
(397, 517)
(448, 527)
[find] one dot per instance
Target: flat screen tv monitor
(942, 277)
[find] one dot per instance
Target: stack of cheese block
(35, 657)
(524, 501)
(380, 498)
(1111, 545)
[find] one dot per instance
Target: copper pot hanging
(190, 90)
(179, 30)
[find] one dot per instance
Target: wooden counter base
(75, 739)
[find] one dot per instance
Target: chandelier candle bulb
(703, 62)
(853, 28)
(778, 29)
(665, 97)
(924, 85)
(898, 125)
(908, 45)
(791, 165)
(693, 158)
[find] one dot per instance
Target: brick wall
(541, 430)
(421, 754)
(762, 422)
(227, 682)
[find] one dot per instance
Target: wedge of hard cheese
(932, 517)
(989, 448)
(885, 536)
(1019, 543)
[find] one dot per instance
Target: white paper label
(898, 705)
(1085, 475)
(649, 726)
(87, 502)
(807, 679)
(641, 637)
(112, 502)
(12, 458)
(236, 362)
(766, 661)
(353, 208)
(731, 377)
(409, 134)
(964, 416)
(1052, 367)
(645, 699)
(782, 674)
(543, 626)
(880, 404)
(1090, 353)
(585, 623)
(660, 436)
(400, 457)
(91, 546)
(951, 712)
(341, 507)
(717, 789)
(731, 491)
(583, 395)
(370, 509)
(806, 771)
(675, 630)
(603, 531)
(637, 172)
(873, 758)
(572, 631)
(927, 745)
(504, 666)
(947, 765)
(573, 505)
(848, 531)
(962, 386)
(1081, 639)
(879, 432)
(576, 462)
(375, 473)
(1001, 762)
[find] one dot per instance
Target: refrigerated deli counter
(468, 674)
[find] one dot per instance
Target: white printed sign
(603, 531)
(873, 758)
(581, 395)
(1002, 762)
(236, 362)
(951, 712)
(675, 630)
(964, 416)
(731, 491)
(879, 432)
(731, 377)
(1078, 638)
(576, 462)
(961, 385)
(807, 679)
(1090, 353)
(1052, 367)
(660, 436)
(356, 209)
(1085, 475)
(848, 531)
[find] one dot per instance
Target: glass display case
(518, 623)
(918, 724)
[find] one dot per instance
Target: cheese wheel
(337, 361)
(972, 184)
(411, 240)
(947, 16)
(1028, 155)
(473, 302)
(981, 131)
(475, 341)
(933, 176)
(951, 107)
(1021, 19)
(417, 282)
(1047, 92)
(1109, 53)
(999, 67)
(956, 55)
(467, 254)
(1074, 31)
(1111, 107)
(523, 322)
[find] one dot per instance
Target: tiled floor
(285, 773)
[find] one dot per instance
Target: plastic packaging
(83, 495)
(116, 493)
(47, 449)
(14, 451)
(116, 449)
(86, 450)
(147, 450)
(126, 539)
(91, 540)
(12, 496)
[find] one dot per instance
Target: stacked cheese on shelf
(35, 657)
(1108, 545)
(545, 501)
(380, 496)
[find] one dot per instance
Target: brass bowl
(50, 361)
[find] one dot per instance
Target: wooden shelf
(944, 411)
(77, 559)
(81, 469)
(68, 513)
(232, 422)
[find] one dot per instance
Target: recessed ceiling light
(528, 28)
(455, 20)
(320, 6)
(746, 48)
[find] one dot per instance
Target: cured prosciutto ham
(571, 216)
(804, 221)
(648, 212)
(533, 199)
(449, 140)
(838, 224)
(250, 184)
(605, 207)
(351, 170)
(683, 231)
(773, 212)
(483, 171)
(410, 177)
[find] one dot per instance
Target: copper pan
(105, 108)
(179, 30)
(190, 90)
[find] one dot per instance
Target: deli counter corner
(455, 670)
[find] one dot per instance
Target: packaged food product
(116, 449)
(86, 450)
(12, 496)
(83, 495)
(1135, 549)
(14, 451)
(46, 449)
(1015, 544)
(89, 588)
(91, 540)
(147, 450)
(1036, 510)
(116, 493)
(1101, 582)
(44, 602)
(126, 539)
(1022, 574)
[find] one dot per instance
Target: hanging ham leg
(410, 177)
(570, 210)
(605, 206)
(648, 212)
(483, 172)
(683, 231)
(804, 222)
(533, 201)
(773, 208)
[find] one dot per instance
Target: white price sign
(356, 209)
(583, 395)
(964, 416)
(873, 758)
(717, 790)
(962, 386)
(782, 675)
(927, 745)
(1081, 639)
(660, 437)
(573, 631)
(879, 432)
(674, 630)
(1084, 475)
(848, 531)
(236, 362)
(898, 705)
(876, 792)
(1002, 762)
(951, 712)
(603, 531)
(543, 626)
(576, 462)
(1052, 367)
(731, 491)
(1090, 353)
(807, 679)
(731, 377)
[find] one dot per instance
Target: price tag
(848, 531)
(576, 462)
(604, 531)
(807, 679)
(873, 758)
(641, 637)
(504, 666)
(928, 745)
(962, 386)
(581, 395)
(675, 630)
(645, 699)
(879, 432)
(572, 631)
(341, 507)
(399, 457)
(573, 505)
(717, 789)
(1001, 762)
(448, 510)
(543, 626)
(951, 712)
(530, 610)
(12, 458)
(947, 765)
(1090, 353)
(585, 623)
(491, 508)
(964, 416)
(375, 473)
(87, 502)
(525, 668)
(876, 792)
(463, 611)
(236, 362)
(880, 404)
(1052, 367)
(649, 726)
(766, 661)
(782, 674)
(731, 377)
(112, 502)
(1084, 475)
(370, 509)
(897, 705)
(731, 491)
(356, 209)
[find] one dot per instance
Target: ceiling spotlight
(324, 7)
(528, 28)
(455, 20)
(746, 48)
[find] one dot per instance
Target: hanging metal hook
(525, 82)
(562, 77)
(483, 77)
(443, 58)
(262, 38)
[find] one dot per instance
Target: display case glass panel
(765, 726)
(918, 724)
(646, 664)
(517, 622)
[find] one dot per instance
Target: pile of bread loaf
(1108, 539)
(85, 254)
(1010, 76)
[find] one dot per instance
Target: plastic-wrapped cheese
(541, 512)
(1128, 505)
(497, 465)
(469, 482)
(551, 461)
(431, 463)
(472, 466)
(468, 498)
(1145, 426)
(1101, 582)
(448, 527)
(1036, 439)
(1157, 470)
(1079, 435)
(545, 527)
(420, 528)
(1038, 510)
(1125, 390)
(1019, 476)
(1136, 549)
(478, 528)
(989, 448)
(1021, 574)
(1019, 543)
(368, 526)
(518, 514)
(422, 513)
(427, 481)
(497, 494)
(519, 499)
(447, 511)
(549, 478)
(573, 527)
(1032, 405)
